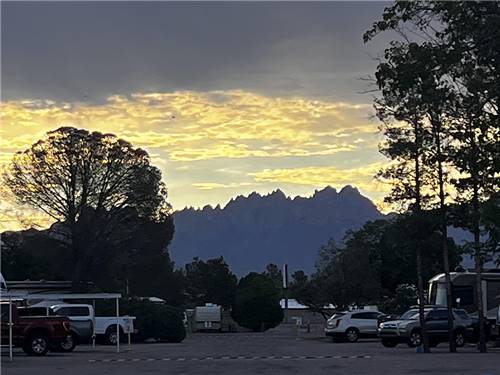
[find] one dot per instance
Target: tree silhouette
(92, 183)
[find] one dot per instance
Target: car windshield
(410, 315)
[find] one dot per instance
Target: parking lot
(267, 353)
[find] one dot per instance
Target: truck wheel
(388, 343)
(69, 344)
(110, 337)
(415, 339)
(36, 345)
(352, 334)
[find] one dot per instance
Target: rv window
(492, 294)
(466, 295)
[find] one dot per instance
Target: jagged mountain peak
(349, 190)
(252, 231)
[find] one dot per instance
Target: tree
(257, 303)
(464, 40)
(139, 267)
(407, 139)
(274, 273)
(383, 252)
(405, 296)
(308, 292)
(93, 183)
(32, 255)
(209, 282)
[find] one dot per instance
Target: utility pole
(285, 290)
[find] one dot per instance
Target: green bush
(153, 321)
(257, 303)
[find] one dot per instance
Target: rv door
(3, 285)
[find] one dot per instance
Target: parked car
(83, 321)
(36, 335)
(351, 325)
(407, 328)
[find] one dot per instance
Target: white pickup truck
(103, 326)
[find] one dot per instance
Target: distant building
(302, 315)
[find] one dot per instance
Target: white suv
(351, 325)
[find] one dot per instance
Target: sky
(227, 98)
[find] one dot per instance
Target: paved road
(257, 354)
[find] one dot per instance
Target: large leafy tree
(209, 281)
(257, 303)
(92, 183)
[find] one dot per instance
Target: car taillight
(337, 322)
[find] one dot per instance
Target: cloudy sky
(227, 98)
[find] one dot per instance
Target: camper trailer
(464, 294)
(208, 317)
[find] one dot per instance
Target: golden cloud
(197, 126)
(216, 185)
(361, 177)
(188, 126)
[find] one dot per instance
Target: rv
(464, 294)
(208, 317)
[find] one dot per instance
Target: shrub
(156, 321)
(257, 303)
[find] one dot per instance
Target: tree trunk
(75, 258)
(444, 238)
(478, 268)
(421, 301)
(418, 211)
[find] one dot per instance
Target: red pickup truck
(36, 335)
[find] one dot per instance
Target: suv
(351, 325)
(36, 335)
(407, 328)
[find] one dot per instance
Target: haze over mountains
(252, 231)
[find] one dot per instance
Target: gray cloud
(87, 51)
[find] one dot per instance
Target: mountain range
(255, 230)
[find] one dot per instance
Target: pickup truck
(36, 335)
(84, 323)
(81, 328)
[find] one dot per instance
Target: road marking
(230, 358)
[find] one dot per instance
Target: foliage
(157, 321)
(274, 273)
(373, 262)
(94, 183)
(404, 297)
(449, 61)
(257, 303)
(209, 282)
(31, 255)
(142, 263)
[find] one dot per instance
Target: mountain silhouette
(252, 231)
